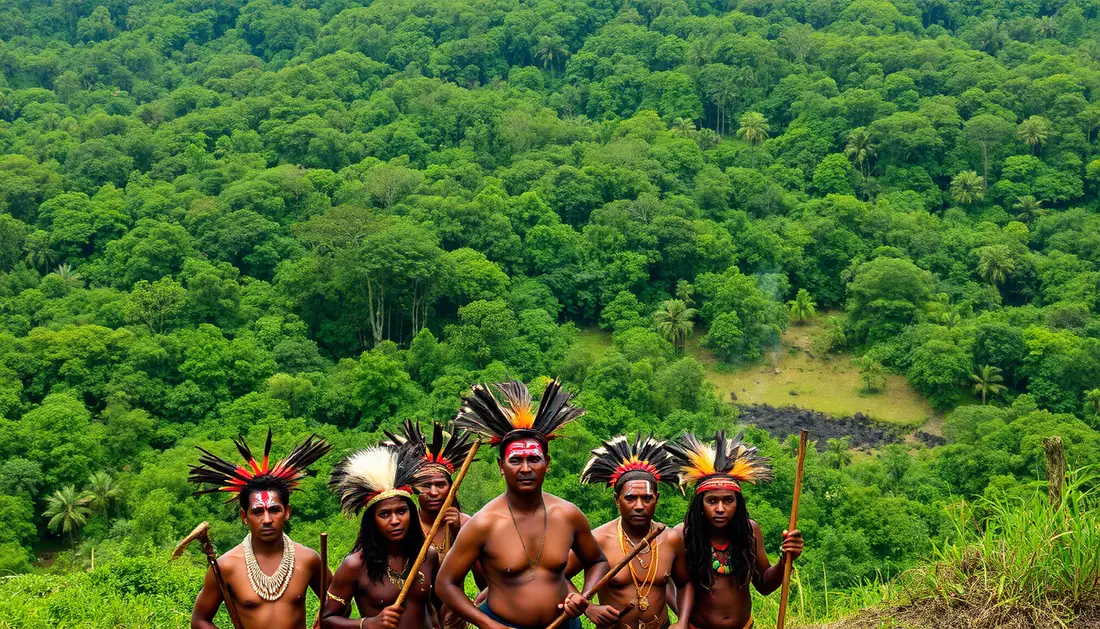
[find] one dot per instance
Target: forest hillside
(219, 216)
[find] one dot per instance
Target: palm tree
(989, 36)
(995, 263)
(674, 321)
(68, 275)
(838, 452)
(37, 247)
(754, 130)
(987, 381)
(967, 187)
(683, 127)
(66, 512)
(802, 306)
(1028, 208)
(1034, 132)
(1047, 27)
(950, 319)
(551, 50)
(101, 492)
(685, 290)
(860, 149)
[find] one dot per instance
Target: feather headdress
(620, 456)
(447, 450)
(484, 414)
(222, 475)
(723, 465)
(374, 474)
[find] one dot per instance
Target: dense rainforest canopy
(330, 215)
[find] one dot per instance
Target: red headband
(634, 466)
(441, 462)
(717, 483)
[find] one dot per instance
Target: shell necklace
(270, 588)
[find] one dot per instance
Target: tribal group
(522, 547)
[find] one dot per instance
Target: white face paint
(263, 499)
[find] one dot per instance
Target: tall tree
(1028, 208)
(66, 511)
(995, 264)
(987, 132)
(754, 130)
(967, 188)
(987, 381)
(860, 148)
(675, 321)
(102, 491)
(1034, 132)
(838, 452)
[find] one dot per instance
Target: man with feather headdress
(725, 548)
(446, 451)
(267, 574)
(379, 483)
(522, 538)
(636, 597)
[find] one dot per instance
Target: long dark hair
(371, 544)
(742, 549)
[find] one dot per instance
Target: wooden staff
(435, 525)
(612, 572)
(787, 560)
(324, 576)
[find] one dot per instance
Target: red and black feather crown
(447, 450)
(621, 456)
(484, 414)
(221, 475)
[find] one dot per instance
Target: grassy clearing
(791, 375)
(830, 385)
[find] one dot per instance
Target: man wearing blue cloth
(524, 537)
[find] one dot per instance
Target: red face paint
(263, 499)
(523, 448)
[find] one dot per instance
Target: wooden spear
(404, 593)
(787, 560)
(324, 576)
(613, 571)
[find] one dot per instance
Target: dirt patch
(864, 433)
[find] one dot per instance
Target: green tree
(987, 381)
(674, 321)
(838, 452)
(860, 148)
(987, 132)
(996, 264)
(872, 373)
(754, 130)
(156, 305)
(802, 306)
(66, 512)
(102, 491)
(1028, 208)
(967, 187)
(1034, 132)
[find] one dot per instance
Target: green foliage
(328, 217)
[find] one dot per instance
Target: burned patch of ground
(864, 432)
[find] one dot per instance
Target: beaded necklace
(718, 564)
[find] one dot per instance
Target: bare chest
(515, 548)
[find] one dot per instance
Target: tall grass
(1020, 561)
